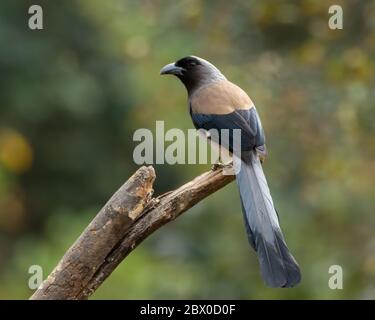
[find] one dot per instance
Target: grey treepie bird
(216, 103)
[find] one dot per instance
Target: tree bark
(124, 222)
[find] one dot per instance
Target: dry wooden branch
(124, 222)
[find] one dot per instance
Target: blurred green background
(72, 95)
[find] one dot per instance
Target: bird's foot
(220, 165)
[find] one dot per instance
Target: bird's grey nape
(210, 72)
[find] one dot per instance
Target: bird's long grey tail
(278, 266)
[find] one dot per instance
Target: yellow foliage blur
(15, 151)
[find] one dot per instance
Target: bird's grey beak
(171, 68)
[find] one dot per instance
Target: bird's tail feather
(278, 266)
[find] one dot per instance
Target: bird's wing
(246, 120)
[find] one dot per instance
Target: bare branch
(123, 223)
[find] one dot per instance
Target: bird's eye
(192, 64)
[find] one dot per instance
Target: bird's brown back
(221, 97)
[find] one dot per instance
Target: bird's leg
(217, 165)
(220, 164)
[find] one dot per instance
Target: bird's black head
(193, 72)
